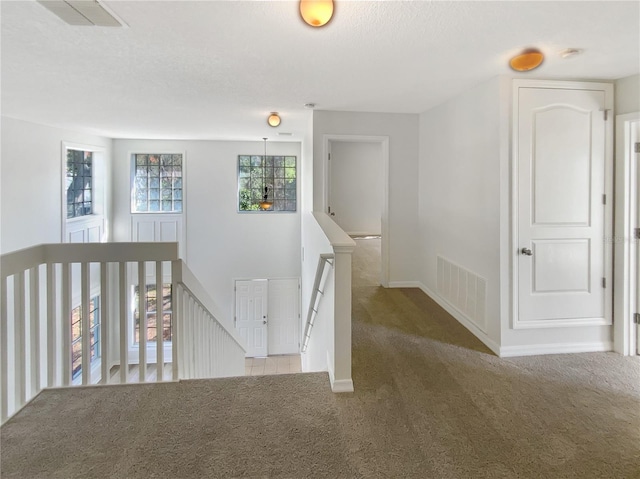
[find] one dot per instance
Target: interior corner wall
(402, 130)
(627, 94)
(31, 179)
(222, 244)
(461, 152)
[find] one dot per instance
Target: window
(79, 179)
(276, 173)
(76, 335)
(157, 183)
(151, 302)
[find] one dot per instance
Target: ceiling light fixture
(265, 204)
(316, 12)
(527, 60)
(274, 119)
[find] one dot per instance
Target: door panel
(561, 215)
(284, 316)
(251, 315)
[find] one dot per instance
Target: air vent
(81, 12)
(282, 133)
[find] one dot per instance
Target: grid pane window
(76, 335)
(151, 307)
(79, 183)
(157, 183)
(270, 176)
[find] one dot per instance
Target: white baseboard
(559, 348)
(492, 345)
(338, 385)
(404, 284)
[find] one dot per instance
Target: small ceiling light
(527, 60)
(274, 119)
(316, 12)
(570, 52)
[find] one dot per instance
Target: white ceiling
(214, 70)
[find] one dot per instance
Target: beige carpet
(431, 402)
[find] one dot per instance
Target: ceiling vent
(81, 12)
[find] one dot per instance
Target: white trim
(98, 166)
(340, 385)
(561, 323)
(560, 348)
(405, 284)
(462, 319)
(384, 143)
(624, 339)
(607, 88)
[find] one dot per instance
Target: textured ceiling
(214, 70)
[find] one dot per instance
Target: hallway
(430, 401)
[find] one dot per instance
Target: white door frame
(627, 197)
(608, 224)
(384, 143)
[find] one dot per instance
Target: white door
(284, 316)
(355, 186)
(251, 315)
(561, 249)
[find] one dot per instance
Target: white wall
(460, 193)
(402, 130)
(627, 92)
(31, 171)
(356, 186)
(222, 244)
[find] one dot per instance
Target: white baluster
(159, 322)
(142, 317)
(65, 351)
(124, 327)
(85, 279)
(34, 329)
(52, 344)
(4, 359)
(20, 346)
(105, 321)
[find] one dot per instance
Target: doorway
(563, 192)
(627, 236)
(356, 193)
(267, 316)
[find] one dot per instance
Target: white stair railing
(208, 345)
(41, 286)
(314, 302)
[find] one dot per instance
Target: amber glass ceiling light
(316, 12)
(274, 119)
(526, 61)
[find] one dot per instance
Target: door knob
(526, 252)
(264, 322)
(333, 214)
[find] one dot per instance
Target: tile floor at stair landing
(272, 365)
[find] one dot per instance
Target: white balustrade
(42, 285)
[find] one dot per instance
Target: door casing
(608, 225)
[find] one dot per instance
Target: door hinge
(636, 233)
(329, 156)
(636, 318)
(606, 114)
(637, 147)
(604, 199)
(604, 282)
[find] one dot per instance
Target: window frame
(98, 188)
(132, 177)
(271, 211)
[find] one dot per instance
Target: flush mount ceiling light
(316, 12)
(527, 60)
(274, 119)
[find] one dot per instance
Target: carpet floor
(431, 401)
